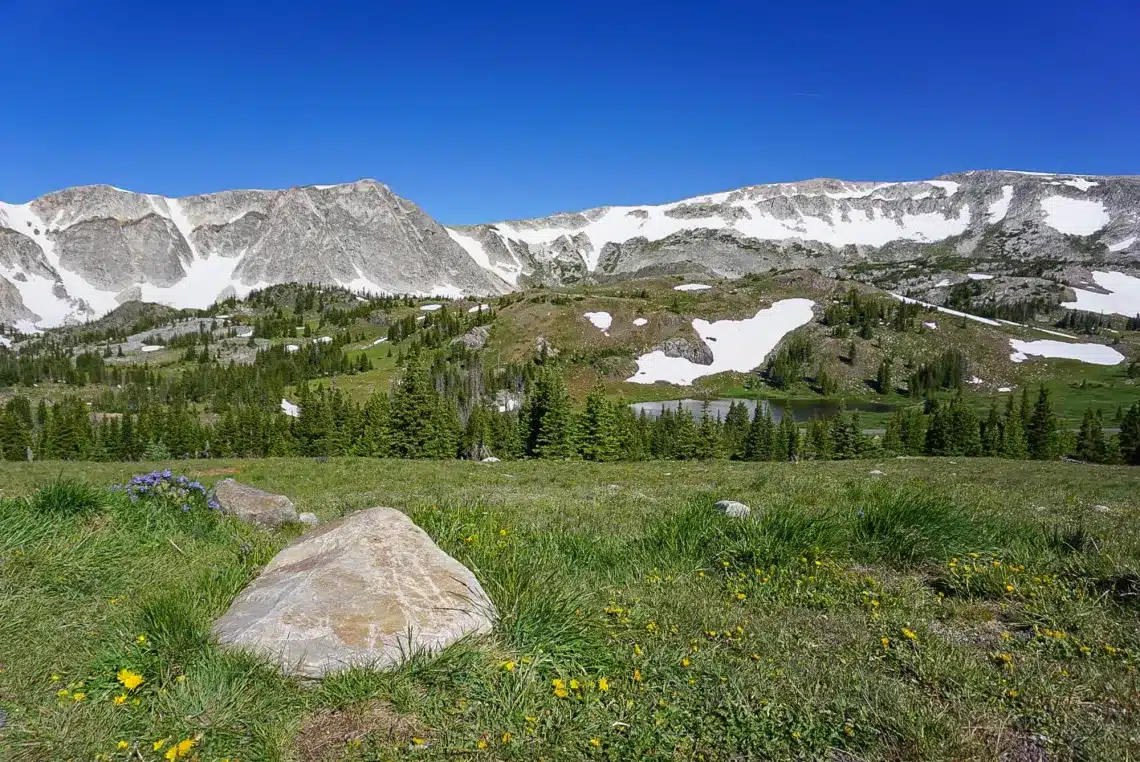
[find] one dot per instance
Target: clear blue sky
(480, 111)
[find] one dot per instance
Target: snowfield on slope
(1124, 298)
(1074, 216)
(736, 345)
(1094, 354)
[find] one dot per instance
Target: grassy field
(939, 610)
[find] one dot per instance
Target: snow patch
(736, 345)
(601, 320)
(431, 307)
(289, 409)
(1079, 183)
(474, 249)
(1005, 388)
(692, 287)
(639, 322)
(152, 347)
(1074, 216)
(975, 380)
(942, 283)
(998, 209)
(291, 348)
(1094, 354)
(932, 326)
(1124, 298)
(380, 340)
(324, 340)
(479, 308)
(246, 334)
(979, 276)
(1124, 244)
(946, 310)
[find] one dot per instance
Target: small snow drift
(380, 340)
(946, 310)
(931, 326)
(639, 322)
(289, 409)
(1095, 354)
(601, 320)
(736, 345)
(151, 348)
(1005, 388)
(246, 334)
(979, 276)
(692, 287)
(479, 308)
(942, 283)
(1124, 299)
(324, 340)
(291, 348)
(431, 307)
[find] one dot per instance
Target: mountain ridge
(76, 253)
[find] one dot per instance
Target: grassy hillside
(940, 610)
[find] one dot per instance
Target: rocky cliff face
(830, 225)
(78, 253)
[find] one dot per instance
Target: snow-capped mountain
(78, 253)
(824, 224)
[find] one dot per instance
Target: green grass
(718, 639)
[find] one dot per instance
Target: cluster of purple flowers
(166, 486)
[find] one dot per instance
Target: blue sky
(493, 110)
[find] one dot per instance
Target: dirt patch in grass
(325, 734)
(221, 472)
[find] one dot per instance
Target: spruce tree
(760, 434)
(552, 429)
(1091, 446)
(708, 435)
(599, 432)
(884, 384)
(1042, 429)
(1129, 437)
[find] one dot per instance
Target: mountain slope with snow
(78, 253)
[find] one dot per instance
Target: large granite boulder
(254, 506)
(365, 590)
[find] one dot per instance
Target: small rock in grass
(876, 472)
(733, 509)
(254, 506)
(309, 518)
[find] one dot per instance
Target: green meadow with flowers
(938, 610)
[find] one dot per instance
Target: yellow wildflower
(509, 666)
(507, 737)
(559, 688)
(596, 742)
(637, 675)
(574, 684)
(141, 640)
(180, 679)
(685, 662)
(636, 650)
(1011, 693)
(603, 684)
(651, 627)
(886, 642)
(909, 634)
(78, 696)
(63, 693)
(129, 679)
(418, 741)
(1009, 588)
(55, 678)
(532, 719)
(120, 699)
(171, 753)
(740, 596)
(481, 744)
(184, 746)
(122, 745)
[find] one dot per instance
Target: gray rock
(309, 518)
(365, 590)
(254, 506)
(733, 509)
(476, 338)
(692, 350)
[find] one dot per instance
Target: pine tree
(1013, 443)
(736, 429)
(883, 380)
(551, 426)
(760, 434)
(1091, 446)
(708, 435)
(684, 435)
(600, 427)
(1042, 429)
(991, 433)
(1130, 436)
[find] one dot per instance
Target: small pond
(801, 410)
